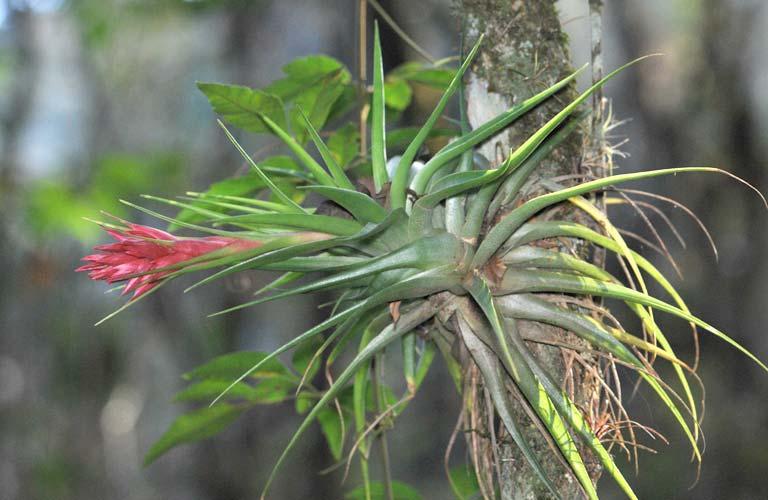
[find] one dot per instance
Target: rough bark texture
(525, 51)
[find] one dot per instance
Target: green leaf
(333, 429)
(502, 231)
(378, 130)
(270, 390)
(318, 105)
(441, 249)
(314, 84)
(528, 307)
(398, 139)
(397, 93)
(207, 389)
(304, 402)
(303, 75)
(464, 482)
(231, 366)
(344, 144)
(242, 106)
(194, 426)
(400, 491)
(428, 75)
(481, 209)
(346, 102)
(287, 248)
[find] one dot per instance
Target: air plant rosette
(447, 258)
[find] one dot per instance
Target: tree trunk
(525, 51)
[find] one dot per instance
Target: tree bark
(525, 51)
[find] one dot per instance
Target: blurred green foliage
(56, 206)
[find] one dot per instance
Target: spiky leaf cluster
(425, 254)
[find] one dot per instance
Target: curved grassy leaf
(378, 129)
(362, 207)
(483, 132)
(556, 260)
(531, 387)
(272, 255)
(520, 281)
(336, 171)
(647, 316)
(407, 322)
(400, 179)
(321, 262)
(528, 307)
(490, 369)
(533, 142)
(533, 231)
(510, 223)
(310, 222)
(511, 186)
(305, 158)
(570, 412)
(440, 250)
(237, 202)
(287, 201)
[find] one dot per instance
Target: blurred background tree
(98, 102)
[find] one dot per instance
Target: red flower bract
(142, 249)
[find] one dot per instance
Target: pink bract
(142, 249)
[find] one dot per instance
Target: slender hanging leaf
(194, 426)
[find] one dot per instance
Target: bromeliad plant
(442, 256)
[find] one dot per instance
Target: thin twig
(400, 32)
(362, 62)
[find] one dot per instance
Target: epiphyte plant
(445, 255)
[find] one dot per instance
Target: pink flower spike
(142, 249)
